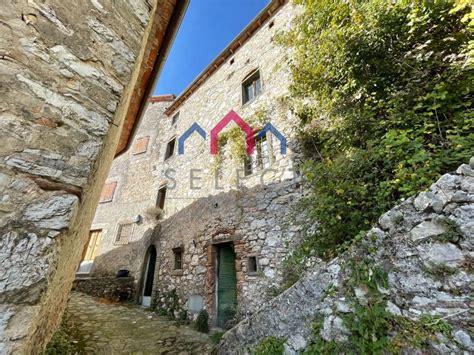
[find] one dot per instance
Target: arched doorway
(148, 276)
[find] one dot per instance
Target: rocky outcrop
(425, 248)
(67, 71)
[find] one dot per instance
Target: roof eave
(229, 51)
(164, 32)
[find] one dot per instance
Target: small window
(124, 233)
(160, 200)
(178, 258)
(260, 159)
(108, 191)
(170, 148)
(141, 145)
(271, 24)
(251, 87)
(232, 61)
(175, 118)
(252, 265)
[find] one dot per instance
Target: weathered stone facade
(425, 245)
(208, 205)
(68, 73)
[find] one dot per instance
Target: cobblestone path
(102, 328)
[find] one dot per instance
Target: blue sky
(207, 28)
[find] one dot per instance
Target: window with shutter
(251, 87)
(108, 191)
(124, 233)
(141, 145)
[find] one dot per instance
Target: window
(160, 200)
(124, 233)
(271, 24)
(232, 61)
(141, 145)
(178, 258)
(108, 191)
(251, 87)
(252, 264)
(175, 118)
(260, 159)
(170, 148)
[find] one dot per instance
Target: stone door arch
(148, 276)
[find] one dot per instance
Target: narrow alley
(99, 327)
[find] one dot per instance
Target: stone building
(197, 230)
(72, 75)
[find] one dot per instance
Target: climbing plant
(383, 90)
(369, 327)
(236, 139)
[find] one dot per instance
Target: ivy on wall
(236, 139)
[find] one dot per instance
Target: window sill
(138, 153)
(169, 159)
(253, 174)
(107, 201)
(248, 103)
(177, 272)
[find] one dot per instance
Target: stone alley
(100, 327)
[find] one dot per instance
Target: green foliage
(60, 344)
(369, 323)
(66, 340)
(269, 346)
(236, 138)
(319, 345)
(202, 322)
(452, 233)
(170, 306)
(371, 328)
(417, 334)
(384, 92)
(440, 271)
(216, 337)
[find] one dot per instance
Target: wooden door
(226, 285)
(91, 251)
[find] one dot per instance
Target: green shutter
(226, 285)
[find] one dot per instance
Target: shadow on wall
(238, 213)
(126, 257)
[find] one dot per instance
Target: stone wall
(119, 289)
(206, 203)
(68, 72)
(256, 220)
(425, 245)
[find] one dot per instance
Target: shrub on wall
(384, 93)
(202, 322)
